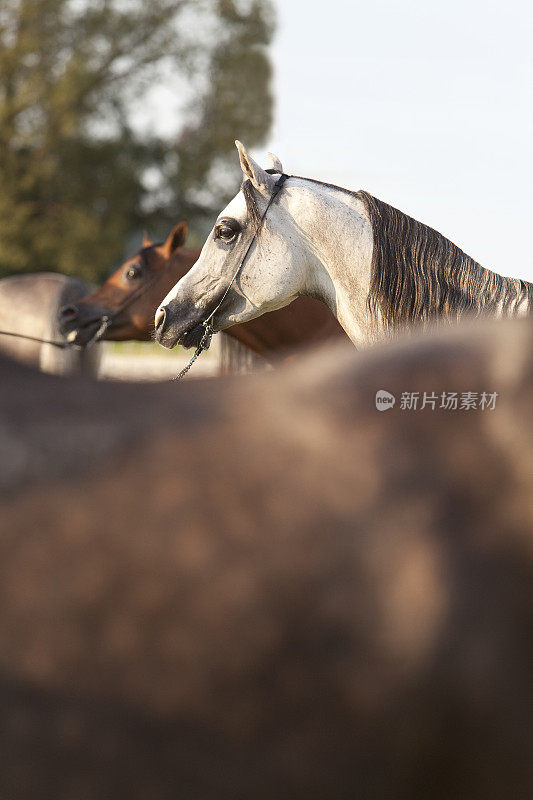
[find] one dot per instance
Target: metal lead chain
(204, 345)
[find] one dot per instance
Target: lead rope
(208, 328)
(62, 345)
(104, 325)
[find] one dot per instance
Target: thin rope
(61, 345)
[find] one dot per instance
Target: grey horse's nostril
(160, 318)
(68, 313)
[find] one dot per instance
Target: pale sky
(426, 105)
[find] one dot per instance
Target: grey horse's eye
(227, 229)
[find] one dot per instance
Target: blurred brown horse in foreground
(346, 612)
(131, 295)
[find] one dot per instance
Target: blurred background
(118, 116)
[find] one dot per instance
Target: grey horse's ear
(261, 180)
(274, 163)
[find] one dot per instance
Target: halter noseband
(207, 323)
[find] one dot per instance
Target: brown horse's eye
(132, 272)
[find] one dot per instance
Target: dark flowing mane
(418, 275)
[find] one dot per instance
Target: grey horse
(28, 307)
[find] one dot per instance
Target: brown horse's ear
(147, 242)
(176, 239)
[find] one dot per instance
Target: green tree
(74, 163)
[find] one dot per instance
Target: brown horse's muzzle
(80, 322)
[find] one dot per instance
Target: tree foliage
(74, 160)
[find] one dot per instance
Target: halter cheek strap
(246, 246)
(277, 188)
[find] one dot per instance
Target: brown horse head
(131, 294)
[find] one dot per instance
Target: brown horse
(270, 589)
(131, 295)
